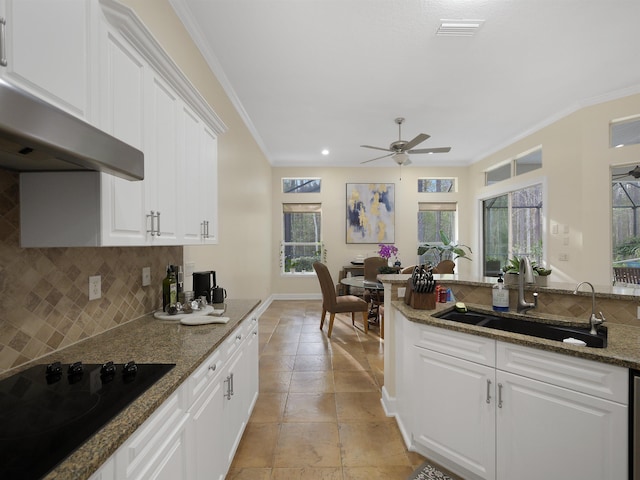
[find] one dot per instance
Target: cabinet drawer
(587, 376)
(205, 373)
(462, 345)
(140, 450)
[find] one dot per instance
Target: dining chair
(445, 266)
(374, 297)
(333, 303)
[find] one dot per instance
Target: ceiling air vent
(458, 28)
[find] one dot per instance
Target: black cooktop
(48, 411)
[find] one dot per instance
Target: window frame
(505, 189)
(300, 207)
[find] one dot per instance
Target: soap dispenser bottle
(500, 296)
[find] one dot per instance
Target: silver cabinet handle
(228, 382)
(3, 42)
(158, 229)
(203, 230)
(232, 383)
(488, 391)
(152, 229)
(499, 395)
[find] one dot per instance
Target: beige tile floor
(318, 414)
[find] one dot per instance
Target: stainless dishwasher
(634, 426)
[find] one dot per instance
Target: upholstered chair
(333, 303)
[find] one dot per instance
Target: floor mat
(428, 472)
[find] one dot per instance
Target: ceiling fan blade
(377, 148)
(421, 137)
(431, 150)
(378, 158)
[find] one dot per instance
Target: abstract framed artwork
(370, 213)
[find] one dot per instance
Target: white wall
(333, 199)
(576, 167)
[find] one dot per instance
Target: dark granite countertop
(145, 340)
(623, 343)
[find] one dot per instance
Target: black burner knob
(107, 369)
(54, 372)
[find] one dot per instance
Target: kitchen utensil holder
(423, 301)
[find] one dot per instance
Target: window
(301, 185)
(625, 218)
(624, 132)
(434, 218)
(302, 237)
(436, 185)
(512, 226)
(503, 172)
(527, 162)
(523, 163)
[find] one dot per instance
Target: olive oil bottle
(169, 288)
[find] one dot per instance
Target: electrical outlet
(402, 291)
(189, 268)
(638, 313)
(146, 276)
(95, 287)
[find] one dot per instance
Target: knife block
(423, 301)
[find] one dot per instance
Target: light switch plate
(95, 287)
(146, 276)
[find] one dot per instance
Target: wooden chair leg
(324, 314)
(365, 319)
(331, 318)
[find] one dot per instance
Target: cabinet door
(121, 90)
(545, 431)
(252, 352)
(162, 162)
(209, 180)
(206, 422)
(234, 414)
(47, 49)
(454, 412)
(191, 218)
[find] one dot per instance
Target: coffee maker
(203, 284)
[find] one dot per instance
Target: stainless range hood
(36, 136)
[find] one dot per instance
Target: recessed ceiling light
(325, 152)
(459, 28)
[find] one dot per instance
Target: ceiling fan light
(400, 158)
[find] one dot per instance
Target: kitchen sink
(528, 327)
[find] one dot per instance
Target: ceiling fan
(400, 149)
(635, 173)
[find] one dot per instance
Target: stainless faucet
(593, 320)
(525, 275)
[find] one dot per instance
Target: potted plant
(512, 269)
(446, 250)
(542, 275)
(388, 251)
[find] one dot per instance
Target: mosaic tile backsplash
(44, 292)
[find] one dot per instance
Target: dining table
(373, 286)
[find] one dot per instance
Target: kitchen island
(145, 340)
(491, 404)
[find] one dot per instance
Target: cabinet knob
(213, 367)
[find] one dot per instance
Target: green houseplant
(445, 250)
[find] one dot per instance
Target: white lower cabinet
(195, 433)
(453, 420)
(158, 449)
(486, 409)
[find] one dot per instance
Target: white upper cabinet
(142, 98)
(46, 45)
